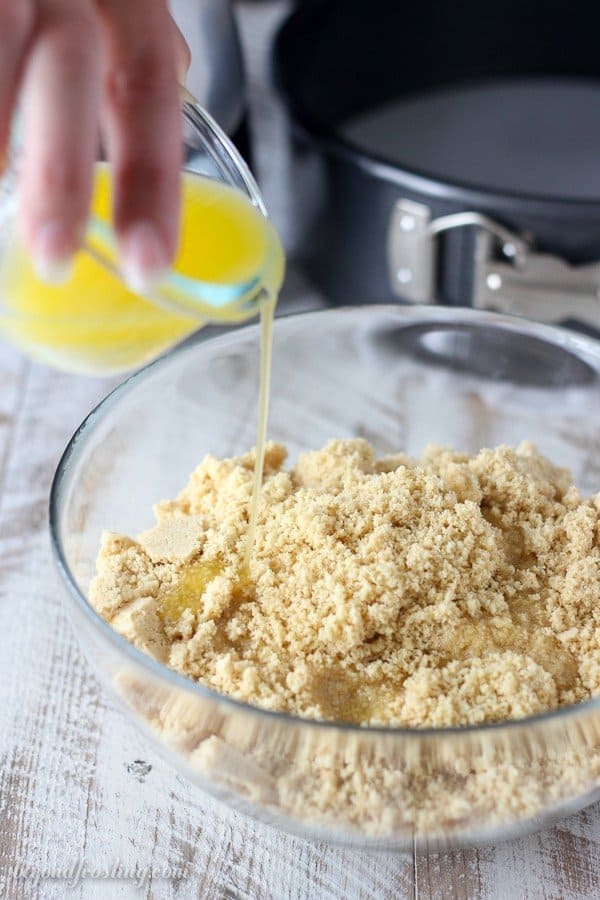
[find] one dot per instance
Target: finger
(183, 56)
(16, 22)
(61, 92)
(143, 128)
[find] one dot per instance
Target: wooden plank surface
(81, 793)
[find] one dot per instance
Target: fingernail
(53, 253)
(143, 257)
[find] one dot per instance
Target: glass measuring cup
(211, 153)
(106, 328)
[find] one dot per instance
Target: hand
(85, 68)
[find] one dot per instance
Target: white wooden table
(82, 796)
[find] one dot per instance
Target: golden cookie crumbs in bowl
(413, 651)
(450, 590)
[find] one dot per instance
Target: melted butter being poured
(93, 324)
(189, 591)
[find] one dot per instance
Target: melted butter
(188, 593)
(189, 590)
(344, 697)
(340, 698)
(244, 587)
(93, 323)
(266, 343)
(524, 631)
(532, 634)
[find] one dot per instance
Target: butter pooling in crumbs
(448, 590)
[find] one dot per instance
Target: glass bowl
(401, 377)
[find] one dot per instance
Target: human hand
(86, 68)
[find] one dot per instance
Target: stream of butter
(188, 592)
(93, 324)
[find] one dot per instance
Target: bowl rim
(566, 339)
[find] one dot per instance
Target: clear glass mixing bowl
(402, 377)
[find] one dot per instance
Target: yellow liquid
(266, 345)
(94, 324)
(188, 592)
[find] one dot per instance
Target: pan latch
(510, 276)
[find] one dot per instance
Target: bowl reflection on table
(402, 378)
